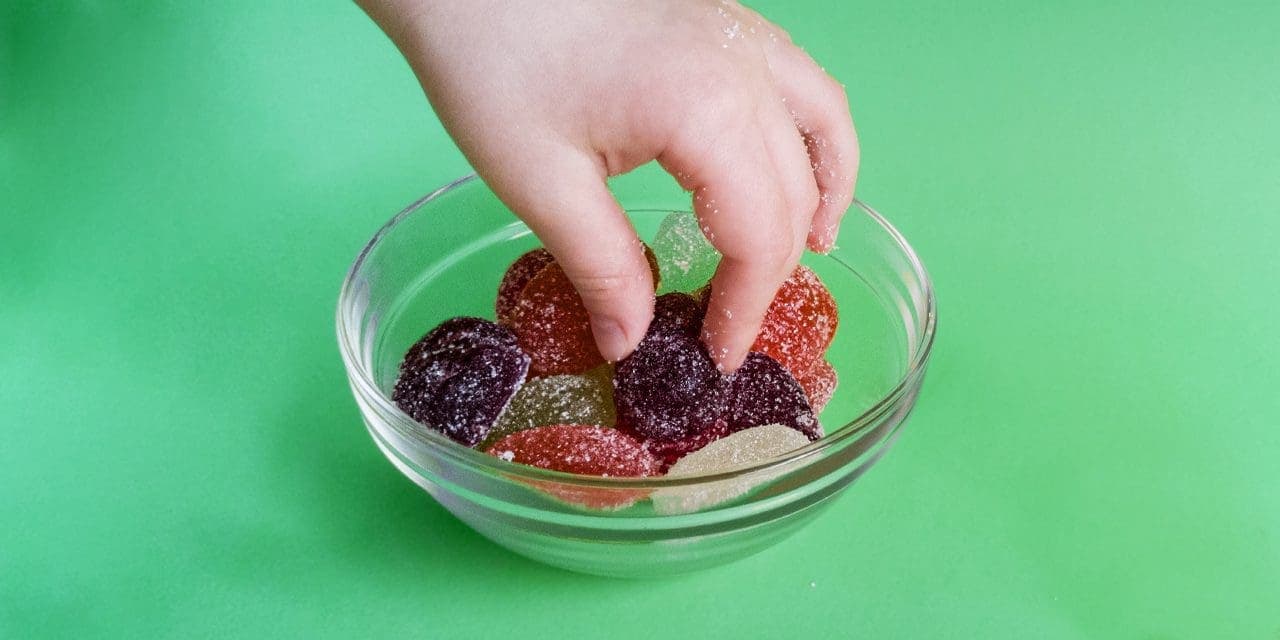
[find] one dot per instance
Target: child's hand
(547, 99)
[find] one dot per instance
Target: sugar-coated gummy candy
(583, 449)
(553, 327)
(669, 389)
(668, 451)
(459, 377)
(528, 265)
(800, 323)
(737, 451)
(677, 313)
(514, 280)
(549, 318)
(685, 257)
(820, 385)
(764, 392)
(562, 399)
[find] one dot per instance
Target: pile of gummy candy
(531, 388)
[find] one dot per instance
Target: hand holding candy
(548, 99)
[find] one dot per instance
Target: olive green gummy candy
(561, 399)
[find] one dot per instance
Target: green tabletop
(1096, 454)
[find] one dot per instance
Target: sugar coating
(514, 280)
(460, 376)
(670, 451)
(765, 393)
(685, 257)
(553, 327)
(562, 399)
(669, 389)
(583, 449)
(676, 313)
(548, 315)
(820, 385)
(800, 322)
(742, 449)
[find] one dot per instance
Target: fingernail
(611, 340)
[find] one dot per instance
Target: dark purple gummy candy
(764, 392)
(677, 312)
(460, 376)
(668, 388)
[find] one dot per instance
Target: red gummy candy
(459, 377)
(582, 449)
(549, 318)
(553, 326)
(514, 280)
(820, 385)
(800, 323)
(765, 393)
(670, 451)
(668, 389)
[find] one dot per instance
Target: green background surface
(1094, 188)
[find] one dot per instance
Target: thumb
(569, 207)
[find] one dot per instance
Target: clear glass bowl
(444, 255)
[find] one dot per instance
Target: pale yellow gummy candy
(742, 449)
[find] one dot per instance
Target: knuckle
(601, 286)
(835, 92)
(721, 97)
(608, 285)
(723, 110)
(713, 79)
(775, 250)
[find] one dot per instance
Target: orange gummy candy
(800, 323)
(820, 385)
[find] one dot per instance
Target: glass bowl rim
(363, 382)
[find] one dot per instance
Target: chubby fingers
(560, 192)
